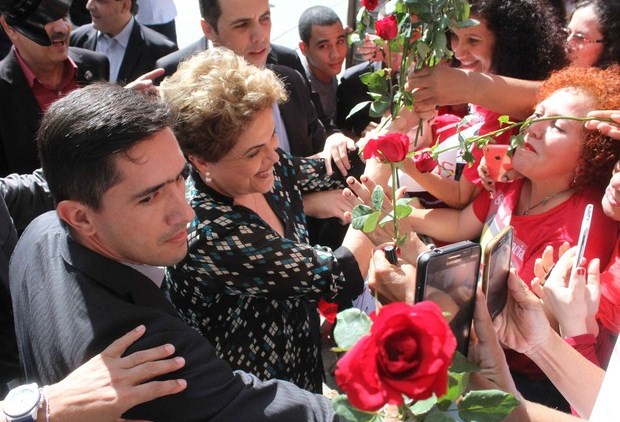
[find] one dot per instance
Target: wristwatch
(22, 403)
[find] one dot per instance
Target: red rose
(408, 351)
(387, 28)
(424, 161)
(392, 147)
(370, 4)
(328, 310)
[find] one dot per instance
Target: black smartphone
(495, 270)
(449, 276)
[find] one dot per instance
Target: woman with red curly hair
(565, 167)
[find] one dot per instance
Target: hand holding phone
(448, 276)
(583, 235)
(497, 160)
(496, 269)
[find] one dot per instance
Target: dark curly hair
(600, 152)
(529, 42)
(608, 12)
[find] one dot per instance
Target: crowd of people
(173, 221)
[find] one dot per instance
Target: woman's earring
(208, 178)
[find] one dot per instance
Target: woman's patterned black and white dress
(253, 293)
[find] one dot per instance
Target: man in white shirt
(131, 47)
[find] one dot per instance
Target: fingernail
(580, 271)
(504, 178)
(169, 348)
(179, 360)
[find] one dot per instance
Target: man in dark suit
(39, 68)
(81, 283)
(131, 47)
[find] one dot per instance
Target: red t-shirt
(534, 232)
(609, 308)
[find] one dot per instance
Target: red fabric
(586, 345)
(534, 232)
(45, 95)
(609, 308)
(329, 310)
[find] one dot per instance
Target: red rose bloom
(407, 352)
(370, 4)
(392, 147)
(424, 162)
(329, 310)
(387, 28)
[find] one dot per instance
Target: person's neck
(320, 76)
(543, 195)
(49, 74)
(117, 29)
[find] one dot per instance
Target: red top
(45, 95)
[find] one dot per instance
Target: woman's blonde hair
(215, 95)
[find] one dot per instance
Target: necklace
(542, 203)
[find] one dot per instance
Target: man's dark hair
(82, 133)
(315, 15)
(210, 11)
(134, 7)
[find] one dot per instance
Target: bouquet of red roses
(405, 356)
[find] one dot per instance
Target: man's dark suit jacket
(22, 198)
(73, 302)
(352, 91)
(145, 46)
(278, 55)
(9, 361)
(20, 114)
(305, 131)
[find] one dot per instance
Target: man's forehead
(320, 33)
(233, 11)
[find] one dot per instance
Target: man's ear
(208, 31)
(78, 216)
(303, 48)
(7, 28)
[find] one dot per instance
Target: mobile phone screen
(583, 235)
(495, 274)
(449, 277)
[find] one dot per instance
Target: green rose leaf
(377, 197)
(371, 222)
(438, 416)
(404, 201)
(379, 107)
(403, 211)
(457, 383)
(350, 413)
(358, 107)
(351, 324)
(460, 364)
(468, 157)
(423, 406)
(486, 406)
(504, 119)
(359, 215)
(389, 217)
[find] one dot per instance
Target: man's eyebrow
(150, 190)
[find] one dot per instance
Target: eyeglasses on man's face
(579, 39)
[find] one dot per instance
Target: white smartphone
(583, 235)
